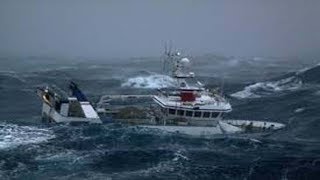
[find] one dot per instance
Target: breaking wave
(149, 82)
(115, 151)
(268, 88)
(293, 82)
(13, 135)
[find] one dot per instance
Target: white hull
(221, 128)
(51, 114)
(255, 124)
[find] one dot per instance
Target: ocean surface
(273, 89)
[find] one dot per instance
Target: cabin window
(172, 111)
(183, 84)
(197, 114)
(189, 113)
(180, 112)
(214, 114)
(206, 114)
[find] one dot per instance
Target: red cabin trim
(187, 96)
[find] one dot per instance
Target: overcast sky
(115, 28)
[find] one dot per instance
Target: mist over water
(102, 29)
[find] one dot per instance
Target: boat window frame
(214, 114)
(189, 115)
(179, 112)
(206, 114)
(170, 110)
(196, 114)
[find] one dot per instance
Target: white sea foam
(267, 88)
(261, 89)
(179, 155)
(14, 135)
(255, 140)
(162, 167)
(150, 81)
(299, 110)
(306, 69)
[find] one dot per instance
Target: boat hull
(222, 127)
(197, 130)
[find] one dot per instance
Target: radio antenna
(222, 85)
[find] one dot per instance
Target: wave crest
(149, 82)
(295, 81)
(261, 89)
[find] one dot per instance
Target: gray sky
(115, 28)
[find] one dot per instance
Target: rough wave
(293, 82)
(13, 135)
(267, 88)
(305, 70)
(310, 75)
(149, 82)
(123, 152)
(11, 79)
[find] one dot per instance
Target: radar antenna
(167, 57)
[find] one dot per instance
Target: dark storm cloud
(101, 28)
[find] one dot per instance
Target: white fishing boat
(190, 108)
(187, 108)
(59, 107)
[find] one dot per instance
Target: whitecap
(179, 155)
(13, 135)
(248, 92)
(301, 71)
(150, 81)
(299, 110)
(261, 89)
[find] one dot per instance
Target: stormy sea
(285, 90)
